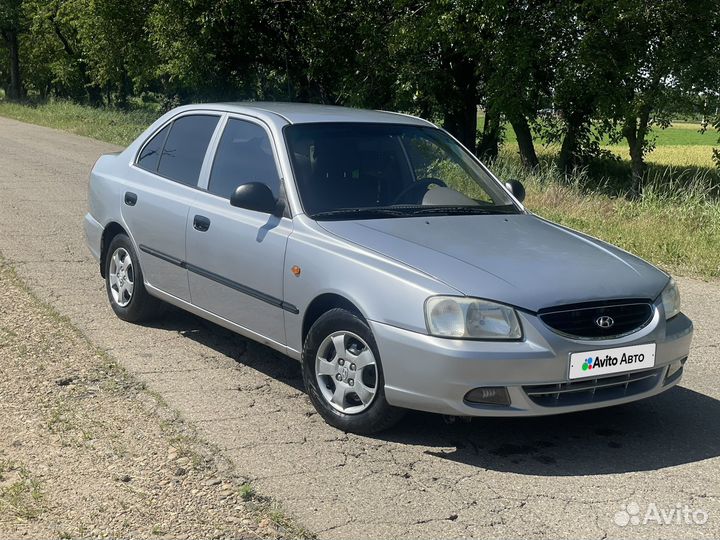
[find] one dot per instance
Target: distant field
(688, 146)
(679, 155)
(681, 144)
(685, 134)
(674, 222)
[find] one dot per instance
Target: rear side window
(243, 155)
(150, 156)
(182, 156)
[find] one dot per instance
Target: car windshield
(364, 171)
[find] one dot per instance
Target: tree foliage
(567, 71)
(11, 23)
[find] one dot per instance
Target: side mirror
(254, 196)
(516, 188)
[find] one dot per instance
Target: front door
(235, 257)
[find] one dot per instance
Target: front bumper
(434, 374)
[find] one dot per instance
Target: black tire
(141, 307)
(379, 414)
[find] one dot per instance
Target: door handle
(201, 223)
(130, 198)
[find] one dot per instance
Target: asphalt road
(565, 476)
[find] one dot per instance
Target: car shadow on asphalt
(674, 428)
(227, 343)
(677, 427)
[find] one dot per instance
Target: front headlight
(470, 318)
(671, 300)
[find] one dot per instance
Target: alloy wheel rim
(122, 277)
(346, 372)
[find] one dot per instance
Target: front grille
(580, 320)
(593, 390)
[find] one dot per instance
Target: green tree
(440, 47)
(520, 79)
(208, 49)
(577, 84)
(663, 53)
(332, 51)
(112, 37)
(10, 27)
(55, 43)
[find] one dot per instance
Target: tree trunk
(566, 158)
(637, 164)
(569, 155)
(124, 91)
(525, 141)
(15, 90)
(635, 131)
(462, 123)
(94, 94)
(489, 146)
(460, 116)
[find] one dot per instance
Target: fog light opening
(674, 370)
(488, 395)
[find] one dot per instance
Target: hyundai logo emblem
(605, 321)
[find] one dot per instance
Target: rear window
(150, 156)
(184, 151)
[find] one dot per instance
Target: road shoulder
(87, 450)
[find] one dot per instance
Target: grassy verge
(674, 223)
(116, 127)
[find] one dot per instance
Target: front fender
(382, 289)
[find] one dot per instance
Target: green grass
(20, 493)
(674, 222)
(685, 134)
(116, 127)
(246, 491)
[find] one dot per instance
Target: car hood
(517, 259)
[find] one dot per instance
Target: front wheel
(343, 375)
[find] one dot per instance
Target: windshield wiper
(460, 210)
(410, 211)
(359, 213)
(452, 210)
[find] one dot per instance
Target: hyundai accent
(381, 254)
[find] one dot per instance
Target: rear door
(157, 200)
(235, 257)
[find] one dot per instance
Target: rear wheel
(124, 283)
(343, 374)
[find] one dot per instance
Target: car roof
(303, 113)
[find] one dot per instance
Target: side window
(182, 157)
(150, 156)
(243, 155)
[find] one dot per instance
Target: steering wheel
(418, 190)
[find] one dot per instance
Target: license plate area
(599, 362)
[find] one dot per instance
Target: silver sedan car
(381, 254)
